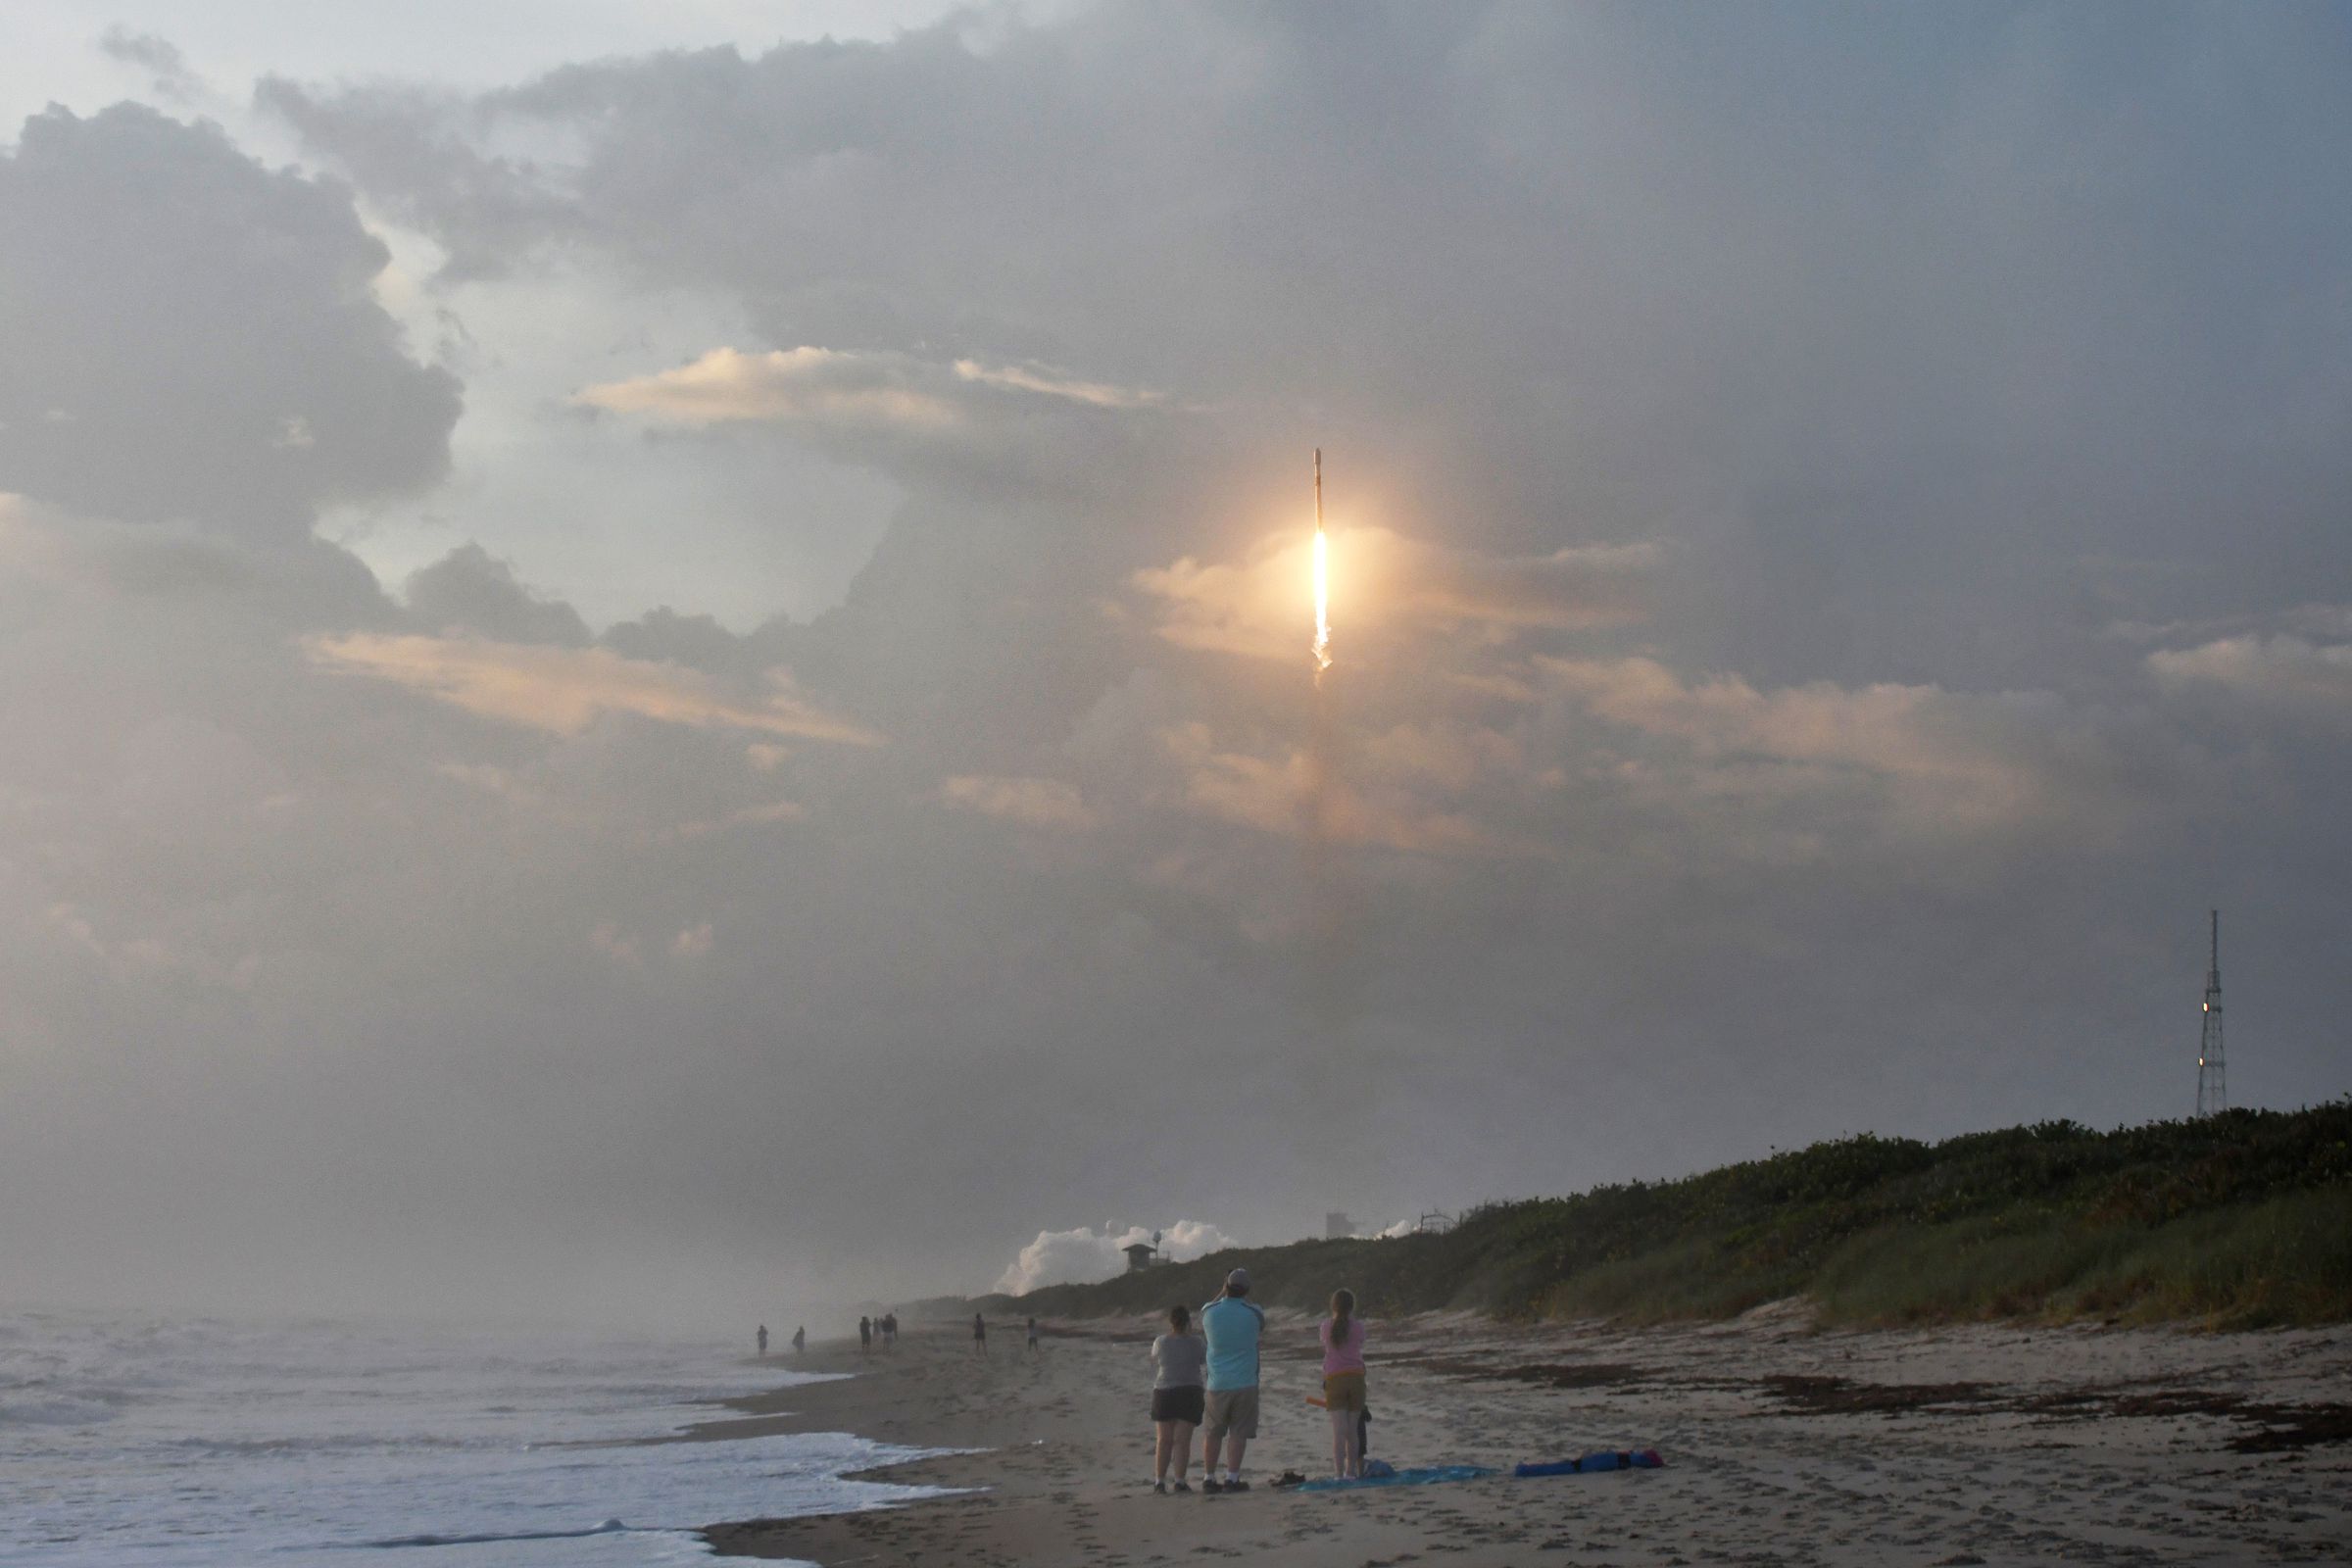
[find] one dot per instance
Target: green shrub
(2235, 1220)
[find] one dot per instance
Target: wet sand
(1783, 1445)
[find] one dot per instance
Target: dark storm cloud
(188, 335)
(471, 590)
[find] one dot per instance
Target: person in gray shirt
(1179, 1371)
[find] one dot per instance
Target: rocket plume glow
(1322, 603)
(1322, 647)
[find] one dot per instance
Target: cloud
(564, 690)
(810, 385)
(410, 144)
(962, 426)
(843, 390)
(270, 582)
(1046, 381)
(167, 67)
(765, 814)
(1378, 803)
(467, 590)
(181, 309)
(499, 783)
(1034, 802)
(2289, 676)
(1059, 1257)
(607, 938)
(148, 959)
(1936, 760)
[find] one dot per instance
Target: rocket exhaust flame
(1322, 645)
(1322, 605)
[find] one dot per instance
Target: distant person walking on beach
(763, 1339)
(979, 1334)
(1033, 1335)
(890, 1328)
(866, 1336)
(1178, 1362)
(800, 1339)
(1232, 1325)
(1343, 1335)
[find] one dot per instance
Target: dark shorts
(1178, 1405)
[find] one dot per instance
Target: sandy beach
(1952, 1446)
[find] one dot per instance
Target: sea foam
(143, 1443)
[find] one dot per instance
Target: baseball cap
(1240, 1276)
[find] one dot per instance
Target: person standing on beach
(866, 1336)
(980, 1334)
(1233, 1325)
(763, 1339)
(1343, 1335)
(1178, 1361)
(1033, 1335)
(890, 1328)
(800, 1339)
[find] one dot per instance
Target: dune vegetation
(2240, 1220)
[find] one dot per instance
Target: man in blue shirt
(1233, 1326)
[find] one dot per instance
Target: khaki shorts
(1343, 1391)
(1231, 1411)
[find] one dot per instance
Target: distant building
(1337, 1226)
(1144, 1255)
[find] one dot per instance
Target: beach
(1782, 1444)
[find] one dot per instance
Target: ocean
(157, 1442)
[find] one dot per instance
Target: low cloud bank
(1061, 1258)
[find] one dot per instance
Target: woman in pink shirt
(1343, 1384)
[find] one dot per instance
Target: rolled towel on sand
(1599, 1459)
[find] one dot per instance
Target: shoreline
(1985, 1442)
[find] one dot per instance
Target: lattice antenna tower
(2213, 1091)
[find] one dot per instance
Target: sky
(655, 657)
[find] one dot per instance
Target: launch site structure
(2213, 1091)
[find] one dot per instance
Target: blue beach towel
(1588, 1464)
(1402, 1478)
